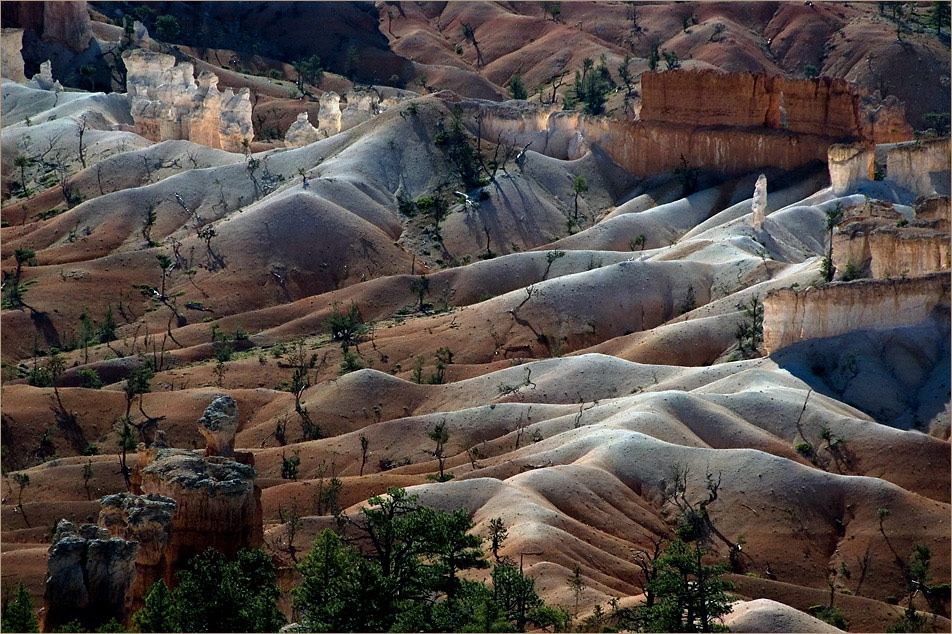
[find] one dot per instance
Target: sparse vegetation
(750, 331)
(516, 88)
(579, 187)
(302, 364)
(290, 465)
(454, 142)
(420, 286)
(440, 435)
(682, 593)
(591, 87)
(22, 481)
(833, 218)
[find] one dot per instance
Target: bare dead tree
(505, 151)
(557, 81)
(215, 260)
(99, 178)
(863, 568)
(51, 141)
(647, 560)
(81, 126)
(695, 515)
(61, 170)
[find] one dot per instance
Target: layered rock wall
(793, 315)
(922, 167)
(11, 58)
(646, 148)
(824, 106)
(880, 251)
(732, 123)
(168, 103)
(915, 251)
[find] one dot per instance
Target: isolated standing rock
(301, 132)
(44, 79)
(759, 204)
(219, 505)
(328, 117)
(90, 576)
(218, 425)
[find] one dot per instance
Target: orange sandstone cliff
(732, 123)
(792, 315)
(825, 106)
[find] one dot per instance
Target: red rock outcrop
(919, 166)
(219, 505)
(167, 103)
(824, 106)
(90, 576)
(935, 208)
(11, 58)
(792, 315)
(646, 148)
(874, 240)
(848, 164)
(65, 22)
(147, 520)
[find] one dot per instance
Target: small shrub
(518, 89)
(89, 378)
(832, 615)
(852, 272)
(350, 363)
(939, 121)
(50, 213)
(805, 449)
(289, 466)
(406, 207)
(39, 377)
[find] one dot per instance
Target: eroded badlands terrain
(599, 355)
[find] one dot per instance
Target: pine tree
(18, 615)
(516, 88)
(689, 596)
(939, 16)
(158, 613)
